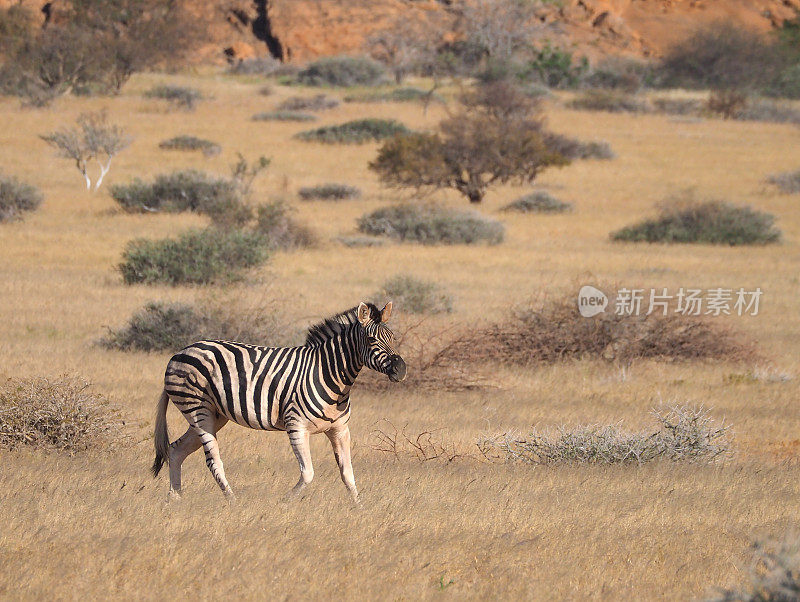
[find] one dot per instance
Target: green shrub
(355, 132)
(283, 116)
(416, 296)
(574, 149)
(16, 198)
(430, 224)
(538, 202)
(329, 192)
(194, 257)
(178, 96)
(62, 414)
(711, 222)
(787, 182)
(171, 326)
(178, 191)
(611, 101)
(320, 102)
(191, 143)
(722, 56)
(557, 68)
(279, 230)
(342, 71)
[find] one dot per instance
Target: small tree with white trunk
(94, 140)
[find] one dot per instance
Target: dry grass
(96, 525)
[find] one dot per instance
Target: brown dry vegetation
(96, 524)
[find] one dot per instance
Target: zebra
(300, 390)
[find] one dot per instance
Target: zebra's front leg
(302, 450)
(340, 441)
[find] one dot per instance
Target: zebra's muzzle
(397, 369)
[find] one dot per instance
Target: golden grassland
(96, 524)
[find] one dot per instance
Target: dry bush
(362, 241)
(774, 574)
(259, 65)
(678, 106)
(728, 104)
(16, 198)
(557, 332)
(415, 295)
(63, 414)
(787, 182)
(274, 222)
(426, 351)
(611, 101)
(320, 102)
(171, 326)
(423, 447)
(683, 434)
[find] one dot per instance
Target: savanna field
(95, 523)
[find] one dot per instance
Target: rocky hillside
(298, 30)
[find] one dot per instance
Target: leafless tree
(403, 46)
(93, 140)
(501, 27)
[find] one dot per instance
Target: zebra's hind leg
(183, 447)
(302, 451)
(340, 441)
(207, 429)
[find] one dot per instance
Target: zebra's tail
(161, 435)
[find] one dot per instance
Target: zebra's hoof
(174, 496)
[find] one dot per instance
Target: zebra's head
(378, 352)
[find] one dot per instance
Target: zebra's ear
(363, 313)
(386, 312)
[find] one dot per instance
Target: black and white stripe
(300, 390)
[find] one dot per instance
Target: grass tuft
(610, 101)
(787, 182)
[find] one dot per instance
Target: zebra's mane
(330, 327)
